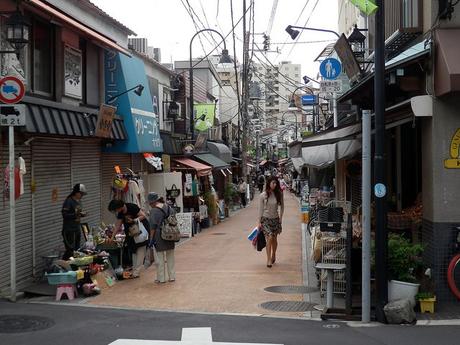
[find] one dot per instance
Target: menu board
(184, 222)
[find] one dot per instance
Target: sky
(167, 25)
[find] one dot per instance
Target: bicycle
(453, 270)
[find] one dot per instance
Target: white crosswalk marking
(190, 336)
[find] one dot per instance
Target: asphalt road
(103, 326)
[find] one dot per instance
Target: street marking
(190, 336)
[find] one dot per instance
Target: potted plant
(228, 197)
(210, 202)
(404, 261)
(427, 301)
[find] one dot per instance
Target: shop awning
(324, 155)
(332, 136)
(45, 117)
(201, 169)
(298, 163)
(57, 15)
(220, 150)
(447, 67)
(211, 160)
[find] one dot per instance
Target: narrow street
(218, 270)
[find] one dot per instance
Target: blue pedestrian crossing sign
(330, 68)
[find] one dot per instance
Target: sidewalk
(218, 271)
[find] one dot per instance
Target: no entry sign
(12, 90)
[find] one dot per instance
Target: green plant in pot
(404, 262)
(228, 195)
(210, 202)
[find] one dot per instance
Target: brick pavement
(218, 271)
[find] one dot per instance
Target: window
(42, 58)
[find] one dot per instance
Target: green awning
(211, 160)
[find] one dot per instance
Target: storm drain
(292, 306)
(293, 289)
(24, 323)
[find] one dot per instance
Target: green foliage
(229, 193)
(305, 134)
(210, 202)
(424, 295)
(404, 258)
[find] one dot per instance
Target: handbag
(173, 193)
(143, 234)
(261, 243)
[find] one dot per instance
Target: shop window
(42, 48)
(92, 73)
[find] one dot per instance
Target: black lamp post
(225, 58)
(17, 32)
(290, 29)
(282, 121)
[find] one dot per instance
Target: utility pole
(245, 96)
(381, 236)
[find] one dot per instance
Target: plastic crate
(62, 278)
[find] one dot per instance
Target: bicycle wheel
(453, 275)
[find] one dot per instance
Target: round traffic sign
(380, 190)
(12, 90)
(330, 68)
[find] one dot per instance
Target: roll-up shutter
(52, 176)
(24, 263)
(109, 161)
(137, 162)
(86, 169)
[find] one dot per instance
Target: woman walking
(271, 209)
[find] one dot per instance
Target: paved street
(219, 271)
(72, 325)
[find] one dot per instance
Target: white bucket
(399, 290)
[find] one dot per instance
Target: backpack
(170, 229)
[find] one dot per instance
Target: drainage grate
(218, 233)
(292, 289)
(24, 323)
(287, 306)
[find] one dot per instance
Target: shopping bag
(253, 234)
(143, 235)
(261, 243)
(149, 257)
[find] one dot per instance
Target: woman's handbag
(173, 193)
(143, 234)
(261, 243)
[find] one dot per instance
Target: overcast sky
(167, 25)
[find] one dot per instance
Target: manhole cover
(331, 325)
(291, 289)
(287, 306)
(218, 233)
(23, 323)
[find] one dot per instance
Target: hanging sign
(104, 121)
(154, 161)
(454, 161)
(12, 90)
(204, 116)
(368, 7)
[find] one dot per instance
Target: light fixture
(17, 30)
(282, 122)
(225, 58)
(139, 89)
(292, 32)
(292, 105)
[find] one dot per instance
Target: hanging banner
(368, 7)
(154, 161)
(104, 121)
(204, 116)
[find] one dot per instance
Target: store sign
(454, 161)
(105, 120)
(350, 65)
(166, 163)
(138, 112)
(185, 223)
(204, 116)
(331, 86)
(308, 99)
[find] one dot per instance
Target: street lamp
(294, 33)
(225, 58)
(17, 32)
(137, 90)
(282, 121)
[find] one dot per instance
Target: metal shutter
(86, 169)
(52, 167)
(109, 160)
(23, 225)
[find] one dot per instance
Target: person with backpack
(161, 215)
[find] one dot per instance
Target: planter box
(427, 305)
(399, 290)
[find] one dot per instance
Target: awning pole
(366, 218)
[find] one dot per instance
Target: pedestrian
(72, 213)
(271, 209)
(165, 249)
(242, 186)
(261, 182)
(128, 215)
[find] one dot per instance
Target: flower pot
(399, 290)
(427, 305)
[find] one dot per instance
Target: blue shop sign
(308, 99)
(122, 73)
